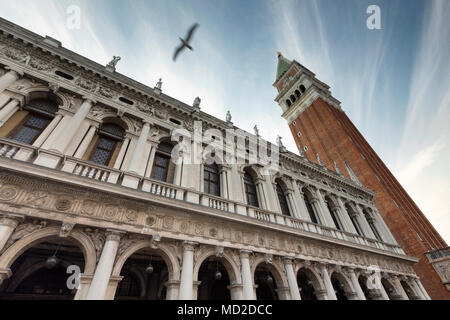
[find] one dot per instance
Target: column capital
(114, 235)
(89, 99)
(288, 260)
(189, 245)
(10, 220)
(245, 253)
(147, 122)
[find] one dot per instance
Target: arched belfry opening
(266, 283)
(306, 284)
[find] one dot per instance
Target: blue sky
(393, 83)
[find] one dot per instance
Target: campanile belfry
(324, 134)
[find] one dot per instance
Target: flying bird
(185, 42)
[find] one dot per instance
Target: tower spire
(283, 65)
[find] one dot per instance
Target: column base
(48, 160)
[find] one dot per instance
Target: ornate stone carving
(8, 192)
(268, 258)
(219, 251)
(98, 239)
(24, 230)
(66, 229)
(156, 239)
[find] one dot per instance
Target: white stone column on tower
(355, 284)
(8, 223)
(62, 141)
(187, 269)
(292, 279)
(247, 283)
(327, 281)
(151, 159)
(381, 224)
(48, 130)
(99, 285)
(8, 79)
(86, 141)
(7, 111)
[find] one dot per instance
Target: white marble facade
(49, 191)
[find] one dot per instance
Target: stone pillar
(261, 196)
(270, 195)
(7, 111)
(247, 283)
(326, 279)
(302, 212)
(387, 235)
(416, 288)
(224, 182)
(173, 288)
(8, 79)
(178, 170)
(4, 98)
(187, 269)
(292, 280)
(399, 288)
(7, 225)
(48, 130)
(237, 193)
(122, 151)
(62, 141)
(424, 292)
(138, 152)
(100, 282)
(235, 291)
(86, 142)
(85, 283)
(355, 284)
(326, 218)
(364, 224)
(151, 159)
(346, 220)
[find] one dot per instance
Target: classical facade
(87, 183)
(324, 134)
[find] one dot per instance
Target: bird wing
(191, 32)
(177, 51)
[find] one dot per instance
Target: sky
(393, 83)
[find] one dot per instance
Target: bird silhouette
(185, 42)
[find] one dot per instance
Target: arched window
(283, 201)
(161, 166)
(293, 98)
(310, 209)
(302, 88)
(37, 114)
(354, 220)
(109, 136)
(297, 93)
(288, 102)
(211, 179)
(250, 190)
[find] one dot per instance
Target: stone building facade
(87, 182)
(322, 129)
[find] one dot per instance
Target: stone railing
(86, 169)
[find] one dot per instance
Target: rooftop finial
(279, 53)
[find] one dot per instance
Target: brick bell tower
(325, 135)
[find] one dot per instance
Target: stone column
(8, 79)
(86, 141)
(416, 288)
(247, 283)
(364, 224)
(62, 141)
(173, 287)
(99, 285)
(178, 170)
(237, 193)
(260, 192)
(122, 151)
(355, 284)
(85, 283)
(383, 228)
(187, 269)
(48, 130)
(4, 98)
(151, 159)
(292, 280)
(346, 221)
(292, 205)
(7, 111)
(136, 157)
(424, 292)
(399, 288)
(223, 182)
(326, 218)
(235, 291)
(327, 281)
(7, 225)
(302, 212)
